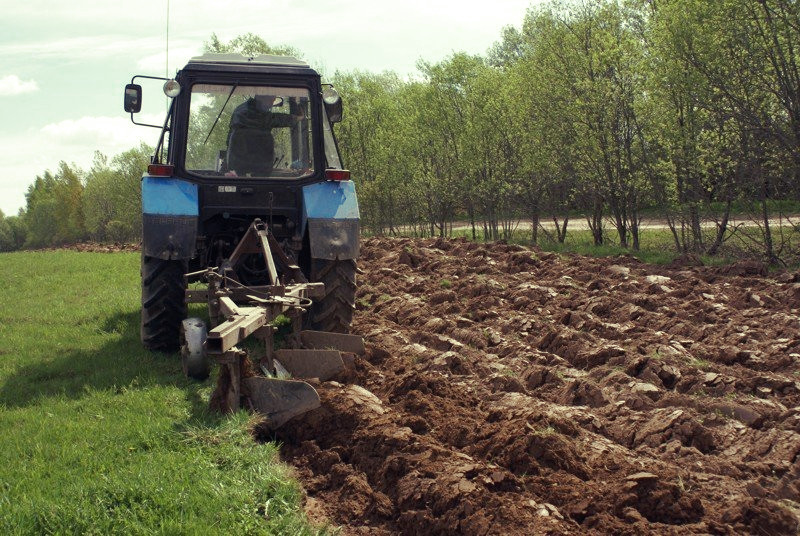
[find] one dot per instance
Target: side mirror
(133, 98)
(333, 104)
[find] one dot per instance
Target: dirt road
(507, 391)
(580, 224)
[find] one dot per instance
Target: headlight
(172, 88)
(330, 96)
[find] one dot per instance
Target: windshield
(249, 131)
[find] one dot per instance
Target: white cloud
(108, 135)
(79, 48)
(13, 85)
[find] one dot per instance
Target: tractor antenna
(166, 66)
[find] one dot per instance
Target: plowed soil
(510, 391)
(96, 247)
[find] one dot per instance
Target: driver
(251, 146)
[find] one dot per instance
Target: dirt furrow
(510, 391)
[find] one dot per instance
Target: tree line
(607, 110)
(72, 205)
(681, 109)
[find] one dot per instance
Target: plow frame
(237, 312)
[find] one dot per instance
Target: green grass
(98, 436)
(656, 246)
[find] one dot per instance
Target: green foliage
(609, 108)
(12, 233)
(112, 200)
(373, 145)
(248, 44)
(54, 212)
(98, 436)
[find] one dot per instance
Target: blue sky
(63, 65)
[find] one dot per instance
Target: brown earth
(95, 247)
(510, 391)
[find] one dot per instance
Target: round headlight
(172, 88)
(330, 96)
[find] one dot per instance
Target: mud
(96, 247)
(510, 391)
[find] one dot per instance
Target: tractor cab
(264, 117)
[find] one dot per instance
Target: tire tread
(163, 303)
(334, 311)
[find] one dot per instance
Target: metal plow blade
(322, 364)
(280, 400)
(324, 340)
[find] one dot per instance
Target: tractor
(246, 207)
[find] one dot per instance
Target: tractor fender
(169, 217)
(331, 218)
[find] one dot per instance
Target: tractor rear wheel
(163, 303)
(334, 311)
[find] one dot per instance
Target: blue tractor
(246, 194)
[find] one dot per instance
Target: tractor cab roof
(237, 63)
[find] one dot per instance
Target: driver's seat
(250, 151)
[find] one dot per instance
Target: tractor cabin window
(249, 131)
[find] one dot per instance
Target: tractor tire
(334, 311)
(163, 303)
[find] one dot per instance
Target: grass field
(98, 436)
(657, 245)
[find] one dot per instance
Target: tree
(12, 233)
(54, 212)
(248, 44)
(739, 111)
(371, 143)
(112, 198)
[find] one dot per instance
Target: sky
(64, 65)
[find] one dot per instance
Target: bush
(117, 231)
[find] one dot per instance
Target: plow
(272, 384)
